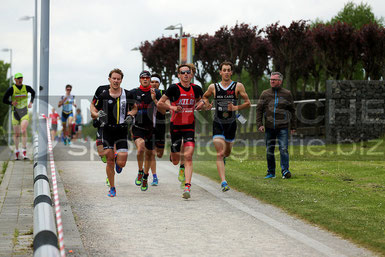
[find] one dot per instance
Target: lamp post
(10, 85)
(137, 49)
(34, 62)
(180, 27)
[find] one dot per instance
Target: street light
(137, 49)
(10, 85)
(180, 27)
(34, 62)
(177, 26)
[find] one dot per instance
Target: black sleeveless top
(223, 96)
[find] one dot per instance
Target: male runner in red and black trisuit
(185, 97)
(146, 99)
(115, 108)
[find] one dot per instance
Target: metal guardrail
(45, 241)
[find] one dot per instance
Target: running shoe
(17, 155)
(144, 186)
(138, 180)
(225, 186)
(286, 174)
(186, 192)
(103, 158)
(270, 175)
(69, 141)
(112, 192)
(65, 141)
(117, 168)
(25, 154)
(224, 160)
(107, 182)
(154, 182)
(181, 176)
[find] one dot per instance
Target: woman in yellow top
(20, 118)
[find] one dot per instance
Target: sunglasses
(185, 72)
(68, 89)
(145, 77)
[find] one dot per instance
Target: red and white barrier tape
(59, 223)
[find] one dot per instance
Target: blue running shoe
(286, 174)
(270, 175)
(154, 182)
(117, 168)
(112, 192)
(225, 186)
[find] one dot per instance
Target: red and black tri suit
(182, 125)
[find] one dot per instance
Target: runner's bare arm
(94, 111)
(133, 111)
(210, 92)
(166, 106)
(240, 91)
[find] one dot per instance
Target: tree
(4, 84)
(289, 50)
(357, 15)
(206, 57)
(372, 40)
(257, 61)
(338, 49)
(162, 57)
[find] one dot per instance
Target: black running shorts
(147, 135)
(225, 130)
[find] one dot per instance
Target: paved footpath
(159, 222)
(16, 208)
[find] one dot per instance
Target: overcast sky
(89, 38)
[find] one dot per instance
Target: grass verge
(338, 187)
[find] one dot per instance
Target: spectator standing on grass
(276, 108)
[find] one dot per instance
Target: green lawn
(338, 187)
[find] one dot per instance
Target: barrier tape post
(55, 193)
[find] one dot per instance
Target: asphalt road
(159, 222)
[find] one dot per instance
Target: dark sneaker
(286, 174)
(144, 186)
(270, 175)
(225, 186)
(112, 192)
(138, 180)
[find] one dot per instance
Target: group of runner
(115, 110)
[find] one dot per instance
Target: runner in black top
(115, 108)
(185, 98)
(96, 122)
(142, 130)
(224, 125)
(159, 132)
